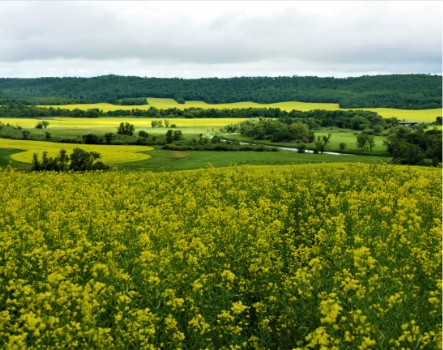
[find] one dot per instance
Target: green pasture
(350, 139)
(76, 127)
(111, 123)
(162, 160)
(337, 137)
(191, 128)
(176, 160)
(425, 115)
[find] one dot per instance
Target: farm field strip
(108, 122)
(425, 115)
(110, 154)
(350, 140)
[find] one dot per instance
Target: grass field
(131, 158)
(327, 256)
(350, 139)
(159, 160)
(110, 154)
(113, 123)
(337, 136)
(162, 160)
(426, 115)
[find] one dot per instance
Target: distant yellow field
(114, 122)
(164, 103)
(425, 115)
(110, 154)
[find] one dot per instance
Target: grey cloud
(360, 36)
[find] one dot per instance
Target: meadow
(157, 160)
(343, 256)
(337, 136)
(109, 123)
(163, 160)
(424, 115)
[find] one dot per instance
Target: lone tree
(25, 134)
(126, 129)
(371, 142)
(362, 140)
(83, 160)
(108, 138)
(177, 135)
(319, 145)
(90, 139)
(326, 139)
(42, 124)
(157, 123)
(169, 136)
(143, 133)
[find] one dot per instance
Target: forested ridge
(409, 91)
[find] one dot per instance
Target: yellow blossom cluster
(344, 256)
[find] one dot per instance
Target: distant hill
(408, 91)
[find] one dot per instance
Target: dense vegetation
(296, 257)
(296, 125)
(79, 160)
(323, 118)
(174, 142)
(413, 146)
(411, 91)
(132, 101)
(275, 131)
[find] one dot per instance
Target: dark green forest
(408, 91)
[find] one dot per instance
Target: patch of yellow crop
(115, 122)
(421, 115)
(110, 154)
(342, 256)
(425, 115)
(165, 103)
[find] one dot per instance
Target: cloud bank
(207, 39)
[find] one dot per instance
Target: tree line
(406, 91)
(409, 146)
(357, 120)
(322, 118)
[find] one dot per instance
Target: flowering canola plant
(343, 256)
(112, 154)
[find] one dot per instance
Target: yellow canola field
(115, 122)
(343, 256)
(424, 115)
(109, 154)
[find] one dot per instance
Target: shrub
(301, 147)
(143, 133)
(80, 160)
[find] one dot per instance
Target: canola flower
(109, 154)
(294, 257)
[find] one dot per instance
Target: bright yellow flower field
(89, 123)
(343, 256)
(109, 154)
(424, 115)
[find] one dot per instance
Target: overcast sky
(219, 39)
